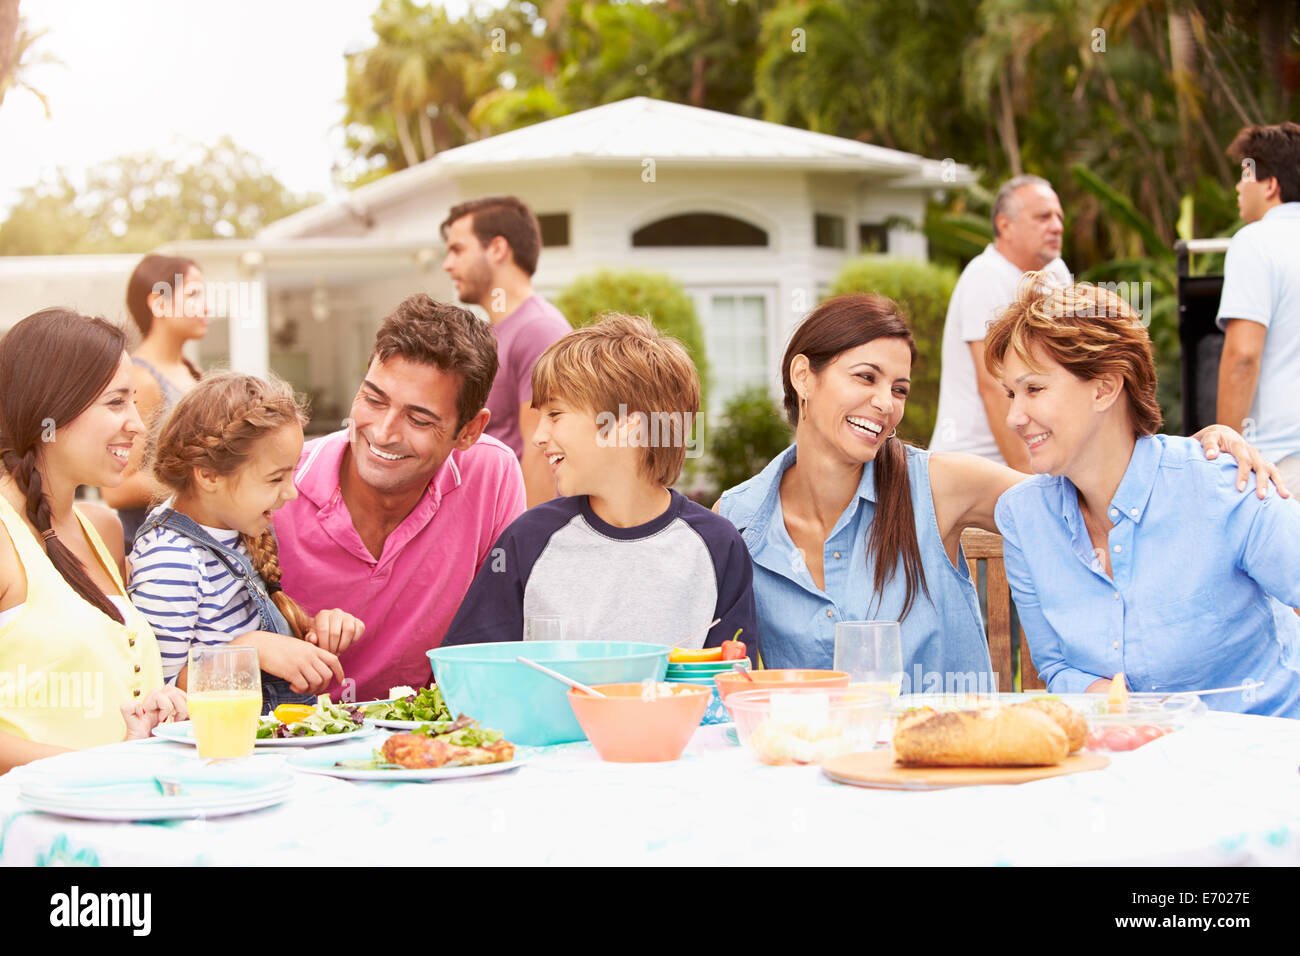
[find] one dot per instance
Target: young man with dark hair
(396, 514)
(1259, 310)
(492, 249)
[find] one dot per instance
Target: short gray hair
(1005, 202)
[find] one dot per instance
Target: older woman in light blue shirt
(1129, 553)
(851, 524)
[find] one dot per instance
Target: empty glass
(543, 627)
(872, 654)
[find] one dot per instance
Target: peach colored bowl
(624, 728)
(772, 679)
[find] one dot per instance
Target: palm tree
(24, 59)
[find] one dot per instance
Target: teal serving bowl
(487, 683)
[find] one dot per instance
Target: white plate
(181, 733)
(324, 764)
(403, 724)
(138, 800)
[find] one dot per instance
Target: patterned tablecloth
(1225, 790)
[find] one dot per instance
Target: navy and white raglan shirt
(657, 582)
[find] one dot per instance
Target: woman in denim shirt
(1131, 556)
(850, 523)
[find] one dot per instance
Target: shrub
(654, 295)
(750, 433)
(922, 289)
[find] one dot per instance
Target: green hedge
(751, 432)
(923, 290)
(654, 295)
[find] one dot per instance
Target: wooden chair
(987, 547)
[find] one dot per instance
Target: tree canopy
(138, 202)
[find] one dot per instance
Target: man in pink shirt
(492, 249)
(396, 514)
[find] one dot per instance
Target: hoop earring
(893, 434)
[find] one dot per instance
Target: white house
(755, 219)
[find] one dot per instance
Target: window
(736, 339)
(873, 237)
(828, 231)
(555, 229)
(699, 229)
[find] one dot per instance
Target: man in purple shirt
(492, 249)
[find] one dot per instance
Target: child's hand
(142, 716)
(308, 669)
(335, 630)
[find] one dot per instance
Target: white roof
(633, 129)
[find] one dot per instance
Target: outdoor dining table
(1224, 790)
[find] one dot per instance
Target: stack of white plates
(203, 792)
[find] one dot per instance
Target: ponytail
(22, 469)
(893, 529)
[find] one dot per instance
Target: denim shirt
(944, 647)
(275, 690)
(1199, 570)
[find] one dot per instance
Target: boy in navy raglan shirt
(621, 556)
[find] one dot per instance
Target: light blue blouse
(944, 647)
(1197, 565)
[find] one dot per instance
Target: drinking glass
(872, 654)
(225, 697)
(543, 627)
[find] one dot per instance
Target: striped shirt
(187, 594)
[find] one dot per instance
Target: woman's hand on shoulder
(335, 630)
(1217, 438)
(965, 489)
(158, 706)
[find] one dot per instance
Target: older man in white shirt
(1028, 225)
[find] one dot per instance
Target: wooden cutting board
(876, 768)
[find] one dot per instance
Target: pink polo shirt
(407, 596)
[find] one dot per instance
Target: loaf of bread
(1068, 719)
(1014, 737)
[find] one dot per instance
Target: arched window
(699, 229)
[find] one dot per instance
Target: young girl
(204, 567)
(165, 300)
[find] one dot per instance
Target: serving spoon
(556, 675)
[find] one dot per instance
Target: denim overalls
(275, 690)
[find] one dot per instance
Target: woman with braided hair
(79, 666)
(205, 567)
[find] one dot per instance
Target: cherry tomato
(1121, 738)
(292, 713)
(1148, 732)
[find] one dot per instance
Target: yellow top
(65, 666)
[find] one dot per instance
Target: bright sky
(141, 75)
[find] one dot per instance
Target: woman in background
(165, 299)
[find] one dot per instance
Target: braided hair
(53, 365)
(215, 427)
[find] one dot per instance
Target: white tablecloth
(1225, 790)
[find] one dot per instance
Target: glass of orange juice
(225, 697)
